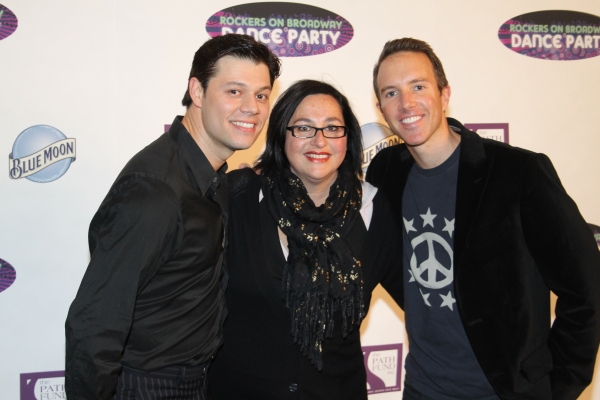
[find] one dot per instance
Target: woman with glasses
(308, 242)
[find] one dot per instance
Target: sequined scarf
(322, 274)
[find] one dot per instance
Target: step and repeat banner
(86, 85)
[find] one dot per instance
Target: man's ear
(378, 104)
(196, 92)
(446, 92)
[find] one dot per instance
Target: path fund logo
(43, 386)
(375, 138)
(497, 132)
(8, 22)
(288, 29)
(384, 367)
(7, 275)
(553, 35)
(41, 154)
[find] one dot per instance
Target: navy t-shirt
(440, 362)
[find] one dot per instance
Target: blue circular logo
(36, 138)
(375, 138)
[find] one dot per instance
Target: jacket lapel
(399, 168)
(473, 171)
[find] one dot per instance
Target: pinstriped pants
(168, 384)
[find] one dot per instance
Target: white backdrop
(111, 73)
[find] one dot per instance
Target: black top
(152, 294)
(258, 359)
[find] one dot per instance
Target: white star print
(425, 297)
(449, 227)
(408, 225)
(412, 277)
(448, 300)
(428, 218)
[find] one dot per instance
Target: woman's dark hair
(273, 159)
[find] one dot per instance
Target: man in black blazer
(488, 232)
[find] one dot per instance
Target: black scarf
(322, 273)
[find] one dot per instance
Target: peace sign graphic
(431, 266)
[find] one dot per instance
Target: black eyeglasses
(307, 132)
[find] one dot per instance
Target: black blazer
(517, 236)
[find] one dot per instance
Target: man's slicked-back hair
(273, 159)
(415, 46)
(243, 47)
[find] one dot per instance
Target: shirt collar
(195, 159)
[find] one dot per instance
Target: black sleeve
(567, 257)
(133, 233)
(384, 247)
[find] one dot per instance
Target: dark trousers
(171, 383)
(410, 393)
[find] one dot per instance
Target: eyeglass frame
(291, 129)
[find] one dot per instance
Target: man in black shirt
(147, 318)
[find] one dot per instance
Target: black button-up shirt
(152, 295)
